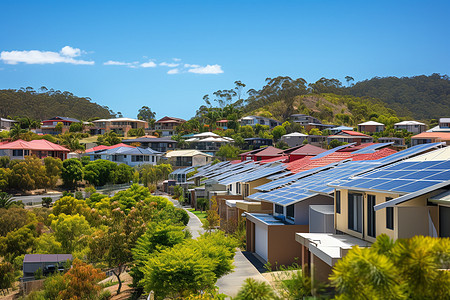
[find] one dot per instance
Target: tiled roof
(442, 135)
(270, 151)
(273, 159)
(308, 150)
(103, 147)
(42, 145)
(353, 133)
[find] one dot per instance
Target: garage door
(261, 241)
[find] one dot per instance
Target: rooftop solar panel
(372, 148)
(332, 150)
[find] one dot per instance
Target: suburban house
(48, 263)
(188, 158)
(262, 154)
(163, 144)
(338, 129)
(401, 198)
(316, 140)
(430, 137)
(411, 126)
(257, 142)
(444, 126)
(303, 119)
(39, 148)
(302, 151)
(120, 126)
(167, 125)
(223, 124)
(6, 124)
(294, 139)
(253, 120)
(347, 136)
(208, 142)
(132, 156)
(371, 126)
(104, 147)
(48, 126)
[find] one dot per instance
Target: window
(17, 152)
(146, 158)
(389, 215)
(355, 212)
(246, 190)
(279, 209)
(338, 202)
(371, 215)
(290, 211)
(153, 159)
(238, 187)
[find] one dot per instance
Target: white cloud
(170, 65)
(173, 71)
(176, 59)
(116, 63)
(209, 69)
(66, 55)
(149, 64)
(191, 66)
(71, 52)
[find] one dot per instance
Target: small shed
(45, 262)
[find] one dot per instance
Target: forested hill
(421, 97)
(44, 104)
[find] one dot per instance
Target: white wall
(261, 241)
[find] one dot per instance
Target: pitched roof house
(40, 148)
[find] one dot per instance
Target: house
(257, 142)
(338, 129)
(348, 136)
(48, 263)
(223, 124)
(303, 119)
(401, 199)
(397, 142)
(6, 124)
(302, 151)
(39, 148)
(208, 142)
(262, 154)
(163, 144)
(430, 137)
(168, 125)
(294, 139)
(316, 140)
(444, 126)
(371, 126)
(104, 147)
(131, 156)
(188, 158)
(48, 126)
(120, 126)
(411, 126)
(253, 120)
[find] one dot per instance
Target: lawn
(199, 214)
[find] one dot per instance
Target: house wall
(320, 271)
(293, 141)
(282, 246)
(255, 183)
(301, 209)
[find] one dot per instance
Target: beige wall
(255, 183)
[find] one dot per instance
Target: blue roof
(128, 151)
(268, 219)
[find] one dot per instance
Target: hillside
(49, 103)
(420, 97)
(331, 108)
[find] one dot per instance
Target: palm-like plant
(5, 200)
(16, 131)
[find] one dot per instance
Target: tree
(7, 276)
(17, 242)
(146, 114)
(5, 175)
(255, 290)
(13, 218)
(72, 172)
(109, 139)
(123, 174)
(53, 167)
(349, 79)
(278, 132)
(212, 217)
(202, 204)
(76, 127)
(46, 201)
(407, 268)
(6, 200)
(71, 140)
(70, 206)
(228, 151)
(48, 244)
(16, 131)
(28, 174)
(82, 281)
(59, 126)
(100, 172)
(69, 229)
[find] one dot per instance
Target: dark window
(389, 216)
(17, 152)
(338, 202)
(290, 211)
(355, 212)
(371, 215)
(146, 158)
(278, 209)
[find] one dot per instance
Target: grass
(199, 214)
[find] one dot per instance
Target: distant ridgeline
(419, 97)
(44, 104)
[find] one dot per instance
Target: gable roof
(308, 150)
(441, 135)
(409, 123)
(38, 145)
(167, 119)
(119, 120)
(369, 123)
(63, 119)
(177, 153)
(293, 134)
(270, 151)
(103, 147)
(352, 133)
(127, 150)
(149, 140)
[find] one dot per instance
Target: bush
(203, 204)
(104, 295)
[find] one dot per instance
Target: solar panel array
(372, 148)
(332, 151)
(404, 177)
(408, 153)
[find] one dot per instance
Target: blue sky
(119, 53)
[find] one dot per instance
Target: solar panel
(332, 150)
(372, 148)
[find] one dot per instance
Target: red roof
(251, 152)
(353, 133)
(103, 147)
(270, 151)
(307, 163)
(167, 119)
(441, 135)
(273, 159)
(39, 145)
(222, 121)
(308, 150)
